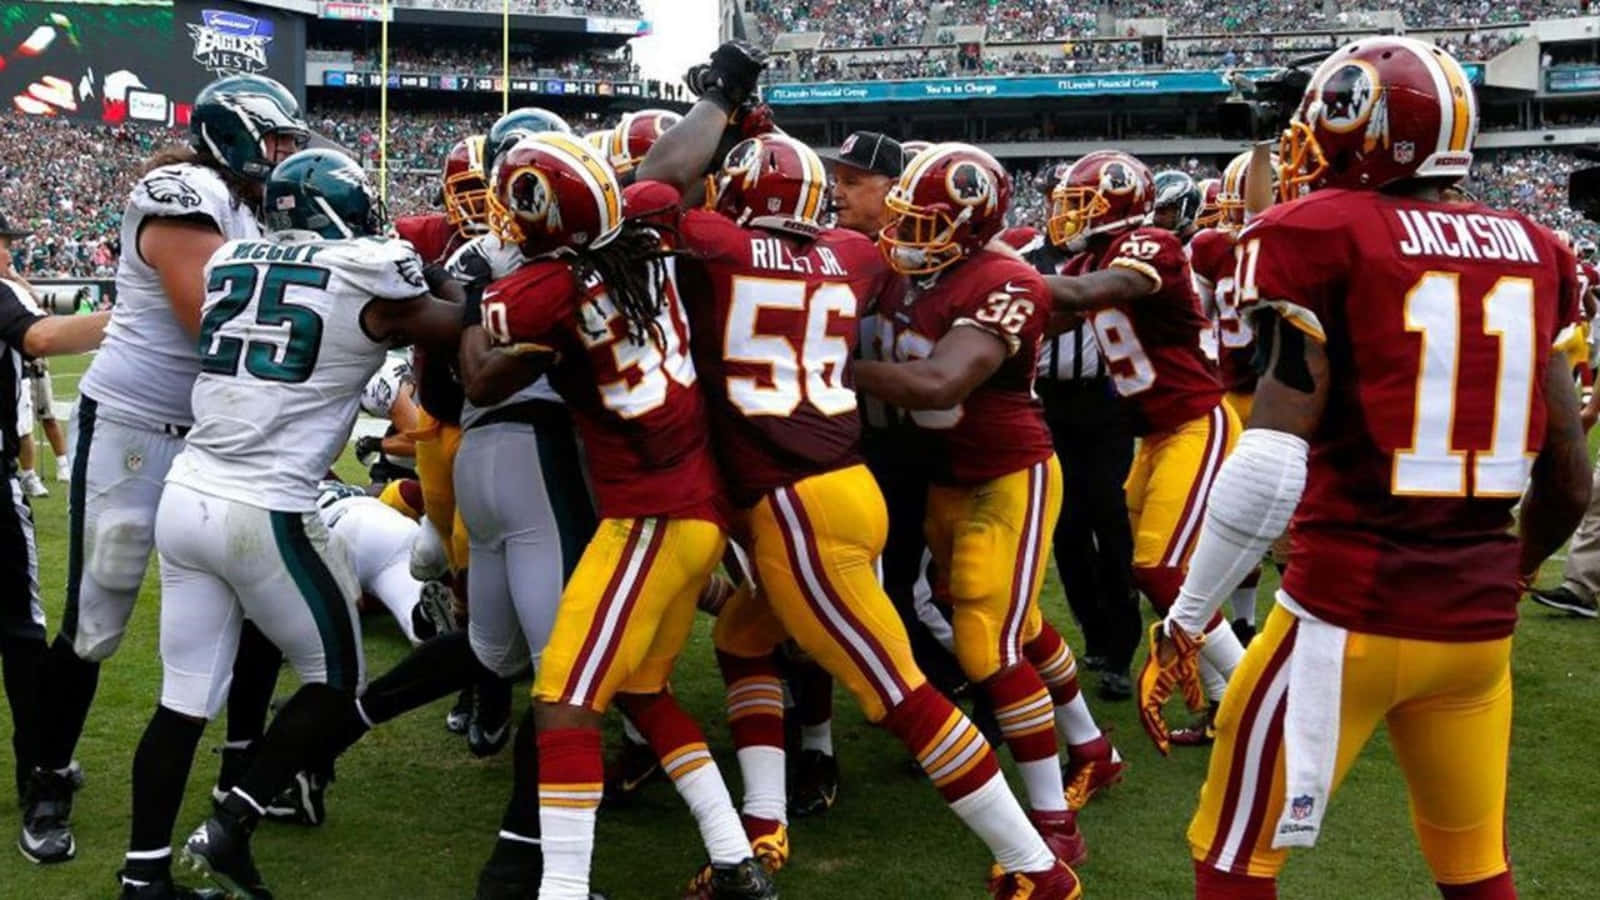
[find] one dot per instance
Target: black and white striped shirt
(16, 317)
(1074, 354)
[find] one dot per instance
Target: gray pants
(1581, 575)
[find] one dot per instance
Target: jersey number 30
(290, 361)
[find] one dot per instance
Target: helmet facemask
(920, 240)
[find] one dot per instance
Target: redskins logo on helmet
(970, 185)
(1106, 191)
(950, 201)
(1377, 111)
(552, 192)
(771, 181)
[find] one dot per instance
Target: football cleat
(1091, 768)
(303, 802)
(634, 766)
(748, 880)
(46, 836)
(162, 888)
(816, 783)
(76, 776)
(220, 850)
(1567, 601)
(1200, 733)
(497, 881)
(460, 715)
(769, 841)
(434, 613)
(1056, 883)
(32, 484)
(490, 726)
(1061, 834)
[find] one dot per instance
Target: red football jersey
(437, 390)
(1588, 281)
(999, 428)
(637, 406)
(1438, 321)
(774, 329)
(1155, 346)
(1212, 263)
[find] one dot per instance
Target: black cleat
(162, 888)
(508, 881)
(46, 819)
(303, 802)
(1243, 630)
(433, 615)
(634, 766)
(1115, 685)
(1568, 602)
(490, 727)
(816, 783)
(747, 880)
(220, 851)
(460, 715)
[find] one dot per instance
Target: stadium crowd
(74, 206)
(486, 61)
(541, 7)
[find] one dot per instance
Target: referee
(1093, 540)
(24, 334)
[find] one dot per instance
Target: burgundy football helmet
(1106, 191)
(949, 202)
(552, 191)
(771, 181)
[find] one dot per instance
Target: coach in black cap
(865, 167)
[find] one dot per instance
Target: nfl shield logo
(1300, 809)
(1404, 152)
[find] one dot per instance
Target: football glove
(1173, 663)
(731, 75)
(368, 449)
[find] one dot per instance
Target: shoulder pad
(182, 189)
(483, 259)
(387, 268)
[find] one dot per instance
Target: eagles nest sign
(230, 43)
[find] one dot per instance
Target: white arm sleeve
(1250, 505)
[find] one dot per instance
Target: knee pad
(976, 649)
(429, 561)
(120, 549)
(504, 655)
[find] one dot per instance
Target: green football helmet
(324, 192)
(513, 126)
(233, 117)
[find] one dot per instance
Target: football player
(627, 144)
(133, 412)
(292, 327)
(598, 308)
(1177, 204)
(377, 540)
(965, 339)
(1133, 284)
(390, 458)
(1409, 398)
(1210, 213)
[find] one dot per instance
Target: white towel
(1310, 727)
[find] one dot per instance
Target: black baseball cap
(8, 232)
(871, 152)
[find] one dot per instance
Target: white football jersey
(284, 359)
(147, 364)
(486, 258)
(383, 388)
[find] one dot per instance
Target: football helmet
(772, 181)
(636, 134)
(600, 139)
(552, 192)
(949, 202)
(1377, 111)
(323, 192)
(911, 149)
(233, 117)
(1210, 213)
(516, 124)
(1231, 197)
(1585, 248)
(1106, 191)
(1176, 190)
(466, 192)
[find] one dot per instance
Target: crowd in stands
(881, 23)
(621, 8)
(488, 61)
(71, 198)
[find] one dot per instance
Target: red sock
(1215, 884)
(813, 689)
(1022, 707)
(411, 495)
(948, 747)
(673, 734)
(1499, 887)
(571, 766)
(1052, 659)
(755, 700)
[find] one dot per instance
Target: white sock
(1222, 650)
(707, 796)
(1046, 793)
(61, 465)
(1074, 723)
(567, 840)
(993, 814)
(1244, 603)
(765, 794)
(1216, 683)
(817, 737)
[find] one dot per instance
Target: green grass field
(413, 814)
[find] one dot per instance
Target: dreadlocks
(634, 271)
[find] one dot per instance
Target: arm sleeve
(15, 319)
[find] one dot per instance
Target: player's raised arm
(681, 155)
(1558, 491)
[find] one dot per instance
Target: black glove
(436, 277)
(730, 78)
(368, 446)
